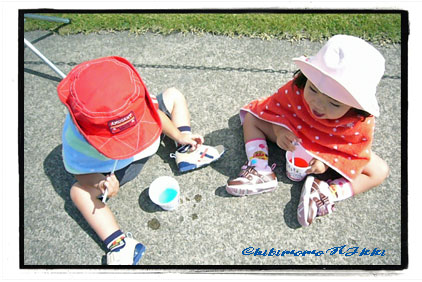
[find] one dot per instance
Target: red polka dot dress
(343, 144)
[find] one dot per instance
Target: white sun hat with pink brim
(348, 69)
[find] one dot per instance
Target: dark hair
(300, 81)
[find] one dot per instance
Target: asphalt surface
(218, 75)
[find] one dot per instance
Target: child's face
(322, 106)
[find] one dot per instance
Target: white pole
(42, 57)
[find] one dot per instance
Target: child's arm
(171, 131)
(285, 138)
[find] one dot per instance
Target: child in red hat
(114, 125)
(328, 108)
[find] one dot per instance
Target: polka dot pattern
(344, 143)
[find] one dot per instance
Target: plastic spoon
(295, 143)
(106, 190)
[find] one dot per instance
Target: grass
(376, 27)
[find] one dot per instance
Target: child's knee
(252, 121)
(384, 170)
(173, 97)
(77, 193)
(74, 192)
(173, 93)
(381, 171)
(249, 118)
(377, 169)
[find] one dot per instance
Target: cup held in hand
(297, 171)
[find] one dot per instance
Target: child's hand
(192, 139)
(317, 167)
(112, 184)
(285, 138)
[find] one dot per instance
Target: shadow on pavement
(166, 148)
(290, 209)
(146, 204)
(221, 192)
(43, 75)
(61, 180)
(50, 33)
(235, 157)
(232, 140)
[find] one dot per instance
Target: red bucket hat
(111, 106)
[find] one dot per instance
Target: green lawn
(378, 28)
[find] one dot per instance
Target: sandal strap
(324, 205)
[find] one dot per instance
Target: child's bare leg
(176, 104)
(96, 213)
(256, 176)
(374, 173)
(254, 128)
(255, 134)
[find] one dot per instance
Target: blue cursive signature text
(341, 250)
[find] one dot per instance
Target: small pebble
(198, 198)
(154, 224)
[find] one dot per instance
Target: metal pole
(42, 57)
(47, 18)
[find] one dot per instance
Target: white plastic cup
(164, 191)
(294, 172)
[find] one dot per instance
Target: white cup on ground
(297, 172)
(164, 191)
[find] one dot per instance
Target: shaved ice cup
(297, 172)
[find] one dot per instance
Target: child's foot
(315, 200)
(203, 155)
(130, 254)
(252, 181)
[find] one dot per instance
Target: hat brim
(125, 144)
(329, 85)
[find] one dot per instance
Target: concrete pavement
(217, 75)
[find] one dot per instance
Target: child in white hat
(329, 108)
